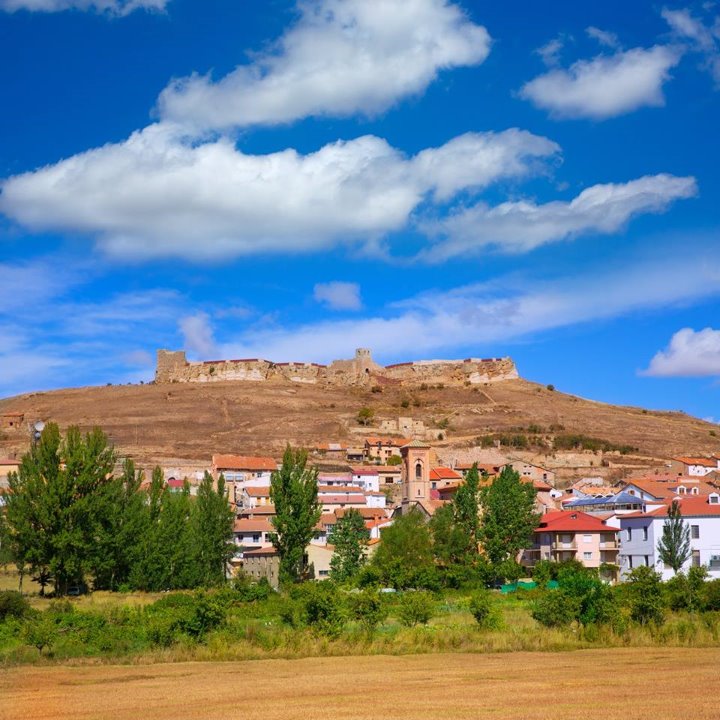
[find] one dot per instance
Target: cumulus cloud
(111, 7)
(704, 39)
(524, 225)
(343, 57)
(157, 195)
(197, 335)
(690, 353)
(606, 86)
(338, 295)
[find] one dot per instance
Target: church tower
(416, 471)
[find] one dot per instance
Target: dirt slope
(166, 422)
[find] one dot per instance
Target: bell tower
(416, 471)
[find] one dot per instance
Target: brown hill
(166, 423)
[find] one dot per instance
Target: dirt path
(626, 684)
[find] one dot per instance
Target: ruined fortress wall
(454, 372)
(362, 370)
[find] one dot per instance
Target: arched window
(418, 471)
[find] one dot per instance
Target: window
(695, 532)
(630, 561)
(695, 491)
(714, 499)
(714, 563)
(587, 556)
(682, 490)
(696, 558)
(418, 471)
(587, 538)
(256, 538)
(629, 537)
(645, 533)
(647, 561)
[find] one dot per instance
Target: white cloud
(338, 295)
(690, 354)
(157, 195)
(343, 57)
(524, 225)
(605, 86)
(112, 7)
(198, 335)
(138, 357)
(550, 51)
(485, 315)
(704, 39)
(608, 39)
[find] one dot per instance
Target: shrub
(40, 632)
(711, 595)
(369, 609)
(483, 610)
(405, 402)
(323, 609)
(555, 608)
(13, 604)
(550, 387)
(415, 608)
(249, 591)
(365, 416)
(644, 591)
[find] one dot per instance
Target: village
(610, 528)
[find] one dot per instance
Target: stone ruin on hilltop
(173, 367)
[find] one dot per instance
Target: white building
(641, 532)
(695, 466)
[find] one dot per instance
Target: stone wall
(361, 370)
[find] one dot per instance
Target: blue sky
(422, 177)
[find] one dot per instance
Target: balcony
(570, 546)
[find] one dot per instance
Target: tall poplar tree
(674, 545)
(350, 538)
(508, 516)
(294, 492)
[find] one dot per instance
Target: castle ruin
(173, 367)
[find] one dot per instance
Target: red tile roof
(252, 525)
(572, 521)
(365, 470)
(257, 491)
(341, 499)
(390, 441)
(444, 473)
(690, 506)
(705, 462)
(243, 462)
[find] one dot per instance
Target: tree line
(70, 521)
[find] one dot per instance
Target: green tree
(53, 504)
(365, 416)
(449, 539)
(293, 491)
(466, 508)
(350, 537)
(508, 516)
(119, 514)
(674, 544)
(404, 557)
(212, 528)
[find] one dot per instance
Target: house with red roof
(694, 466)
(573, 535)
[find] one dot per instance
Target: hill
(168, 422)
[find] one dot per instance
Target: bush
(555, 608)
(415, 608)
(711, 595)
(484, 611)
(249, 591)
(13, 604)
(369, 609)
(644, 592)
(180, 614)
(40, 632)
(323, 608)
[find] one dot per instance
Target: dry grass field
(622, 684)
(157, 423)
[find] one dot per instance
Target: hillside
(191, 421)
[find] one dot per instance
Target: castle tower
(169, 363)
(416, 471)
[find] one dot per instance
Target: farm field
(625, 684)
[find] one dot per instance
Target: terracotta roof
(366, 512)
(175, 483)
(339, 489)
(690, 506)
(571, 521)
(666, 486)
(444, 473)
(339, 499)
(8, 461)
(259, 510)
(542, 485)
(488, 468)
(271, 551)
(391, 441)
(365, 470)
(243, 462)
(257, 491)
(252, 525)
(705, 462)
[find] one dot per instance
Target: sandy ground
(626, 684)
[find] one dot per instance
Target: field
(622, 684)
